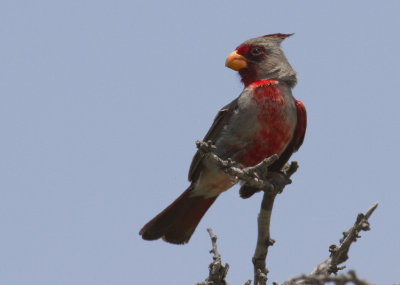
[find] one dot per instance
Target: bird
(264, 120)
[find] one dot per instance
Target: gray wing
(213, 134)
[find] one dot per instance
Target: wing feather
(213, 133)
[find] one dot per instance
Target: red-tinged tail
(178, 221)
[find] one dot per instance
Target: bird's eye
(255, 51)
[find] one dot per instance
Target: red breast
(275, 119)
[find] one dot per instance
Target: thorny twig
(339, 254)
(217, 270)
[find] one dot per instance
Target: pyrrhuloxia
(264, 120)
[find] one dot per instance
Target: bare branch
(280, 180)
(273, 183)
(323, 279)
(259, 178)
(339, 254)
(250, 175)
(217, 270)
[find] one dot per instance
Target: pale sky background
(101, 103)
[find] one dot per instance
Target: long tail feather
(178, 221)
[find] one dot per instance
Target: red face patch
(244, 49)
(255, 55)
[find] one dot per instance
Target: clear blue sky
(101, 103)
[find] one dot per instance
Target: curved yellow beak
(235, 61)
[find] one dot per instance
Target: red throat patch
(261, 83)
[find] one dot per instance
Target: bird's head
(262, 58)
